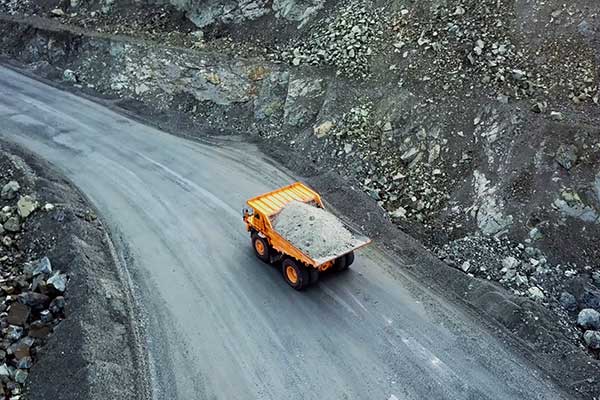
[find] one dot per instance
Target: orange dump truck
(300, 264)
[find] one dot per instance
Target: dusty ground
(91, 353)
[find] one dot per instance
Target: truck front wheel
(261, 248)
(295, 274)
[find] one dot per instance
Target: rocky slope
(474, 124)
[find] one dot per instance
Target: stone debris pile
(32, 298)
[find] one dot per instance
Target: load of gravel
(316, 232)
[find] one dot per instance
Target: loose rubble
(526, 271)
(345, 42)
(318, 233)
(31, 293)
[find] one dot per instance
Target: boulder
(18, 314)
(14, 333)
(9, 191)
(69, 76)
(590, 298)
(33, 300)
(13, 224)
(589, 319)
(57, 305)
(566, 156)
(21, 376)
(568, 301)
(58, 281)
(41, 266)
(323, 129)
(510, 263)
(303, 102)
(535, 293)
(466, 266)
(592, 339)
(26, 205)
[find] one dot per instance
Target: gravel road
(219, 323)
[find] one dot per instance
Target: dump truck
(291, 228)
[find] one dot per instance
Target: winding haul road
(221, 324)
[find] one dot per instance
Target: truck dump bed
(296, 224)
(271, 203)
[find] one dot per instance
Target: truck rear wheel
(261, 248)
(340, 264)
(349, 258)
(295, 274)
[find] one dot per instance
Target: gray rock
(323, 129)
(18, 314)
(568, 301)
(297, 10)
(4, 371)
(596, 277)
(519, 75)
(57, 305)
(13, 224)
(25, 363)
(69, 76)
(41, 266)
(9, 191)
(466, 266)
(33, 300)
(539, 107)
(589, 319)
(400, 212)
(198, 35)
(556, 116)
(57, 12)
(566, 156)
(46, 316)
(585, 29)
(592, 339)
(303, 101)
(590, 299)
(409, 154)
(510, 263)
(21, 376)
(14, 333)
(521, 280)
(508, 274)
(26, 205)
(58, 281)
(535, 293)
(535, 234)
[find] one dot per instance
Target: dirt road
(222, 325)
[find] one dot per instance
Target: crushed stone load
(316, 232)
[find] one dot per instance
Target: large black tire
(349, 259)
(314, 275)
(261, 248)
(340, 264)
(295, 274)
